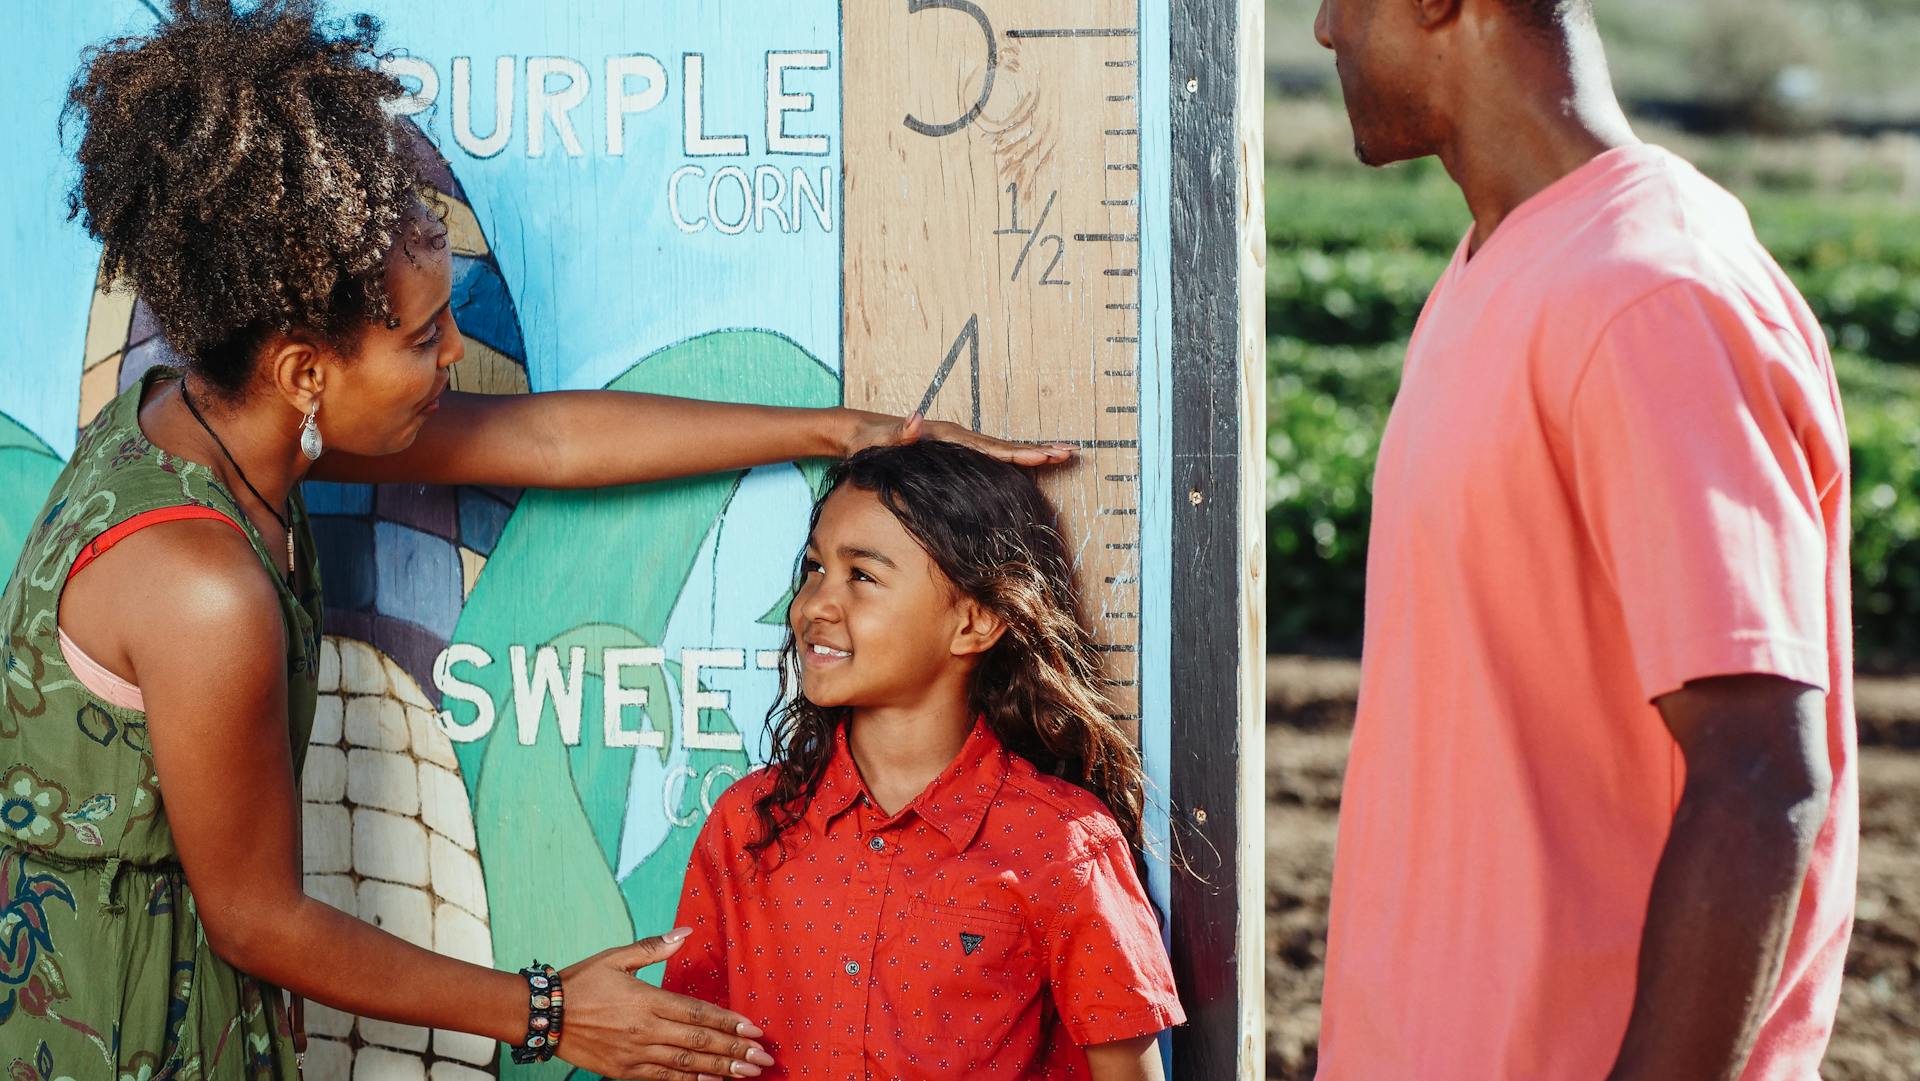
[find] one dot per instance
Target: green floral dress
(104, 967)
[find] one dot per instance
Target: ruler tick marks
(1121, 272)
(1112, 238)
(1078, 32)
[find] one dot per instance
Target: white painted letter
(746, 200)
(706, 784)
(673, 199)
(530, 695)
(694, 139)
(762, 202)
(544, 104)
(452, 686)
(620, 103)
(780, 103)
(693, 699)
(463, 107)
(616, 698)
(670, 799)
(412, 67)
(822, 200)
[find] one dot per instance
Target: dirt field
(1878, 1034)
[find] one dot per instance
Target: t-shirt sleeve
(1109, 974)
(700, 968)
(1704, 441)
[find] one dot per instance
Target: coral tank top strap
(185, 512)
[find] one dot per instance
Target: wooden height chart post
(1046, 213)
(993, 252)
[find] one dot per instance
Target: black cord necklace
(241, 473)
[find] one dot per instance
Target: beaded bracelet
(545, 1005)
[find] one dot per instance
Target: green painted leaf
(551, 894)
(592, 569)
(27, 472)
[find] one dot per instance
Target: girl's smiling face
(875, 622)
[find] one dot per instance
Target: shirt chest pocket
(946, 943)
(958, 988)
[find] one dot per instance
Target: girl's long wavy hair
(987, 526)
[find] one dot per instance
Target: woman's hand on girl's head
(881, 430)
(620, 1027)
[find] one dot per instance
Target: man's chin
(1370, 154)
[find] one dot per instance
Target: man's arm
(1729, 880)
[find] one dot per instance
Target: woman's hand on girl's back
(620, 1027)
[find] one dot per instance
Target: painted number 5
(915, 7)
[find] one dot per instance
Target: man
(1600, 819)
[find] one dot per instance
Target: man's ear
(1430, 14)
(979, 631)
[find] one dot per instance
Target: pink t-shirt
(1617, 463)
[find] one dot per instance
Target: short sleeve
(700, 968)
(1108, 971)
(1704, 442)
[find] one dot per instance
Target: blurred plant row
(1351, 259)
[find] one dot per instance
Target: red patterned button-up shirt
(990, 929)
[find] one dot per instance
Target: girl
(935, 876)
(242, 172)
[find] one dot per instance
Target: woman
(162, 624)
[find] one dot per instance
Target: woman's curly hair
(990, 530)
(243, 176)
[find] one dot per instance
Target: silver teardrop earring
(310, 434)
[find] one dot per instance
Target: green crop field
(1351, 255)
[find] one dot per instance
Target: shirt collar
(955, 803)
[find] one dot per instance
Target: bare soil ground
(1877, 1037)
